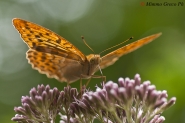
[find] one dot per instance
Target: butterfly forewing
(38, 38)
(112, 57)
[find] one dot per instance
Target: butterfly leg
(80, 83)
(95, 76)
(88, 82)
(68, 84)
(103, 78)
(82, 88)
(98, 76)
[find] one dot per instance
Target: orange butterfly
(56, 57)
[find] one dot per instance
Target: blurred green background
(103, 23)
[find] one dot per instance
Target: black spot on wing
(37, 36)
(47, 64)
(34, 45)
(58, 41)
(27, 28)
(47, 34)
(40, 34)
(54, 68)
(39, 40)
(35, 53)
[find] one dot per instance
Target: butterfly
(56, 57)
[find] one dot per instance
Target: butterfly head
(94, 59)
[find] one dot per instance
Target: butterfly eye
(92, 60)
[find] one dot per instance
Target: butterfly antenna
(116, 45)
(87, 44)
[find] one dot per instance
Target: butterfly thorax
(94, 60)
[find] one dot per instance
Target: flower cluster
(44, 104)
(129, 101)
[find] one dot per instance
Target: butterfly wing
(112, 57)
(53, 66)
(44, 40)
(49, 53)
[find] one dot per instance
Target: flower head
(44, 104)
(127, 101)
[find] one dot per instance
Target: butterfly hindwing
(52, 65)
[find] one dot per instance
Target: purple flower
(44, 104)
(125, 102)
